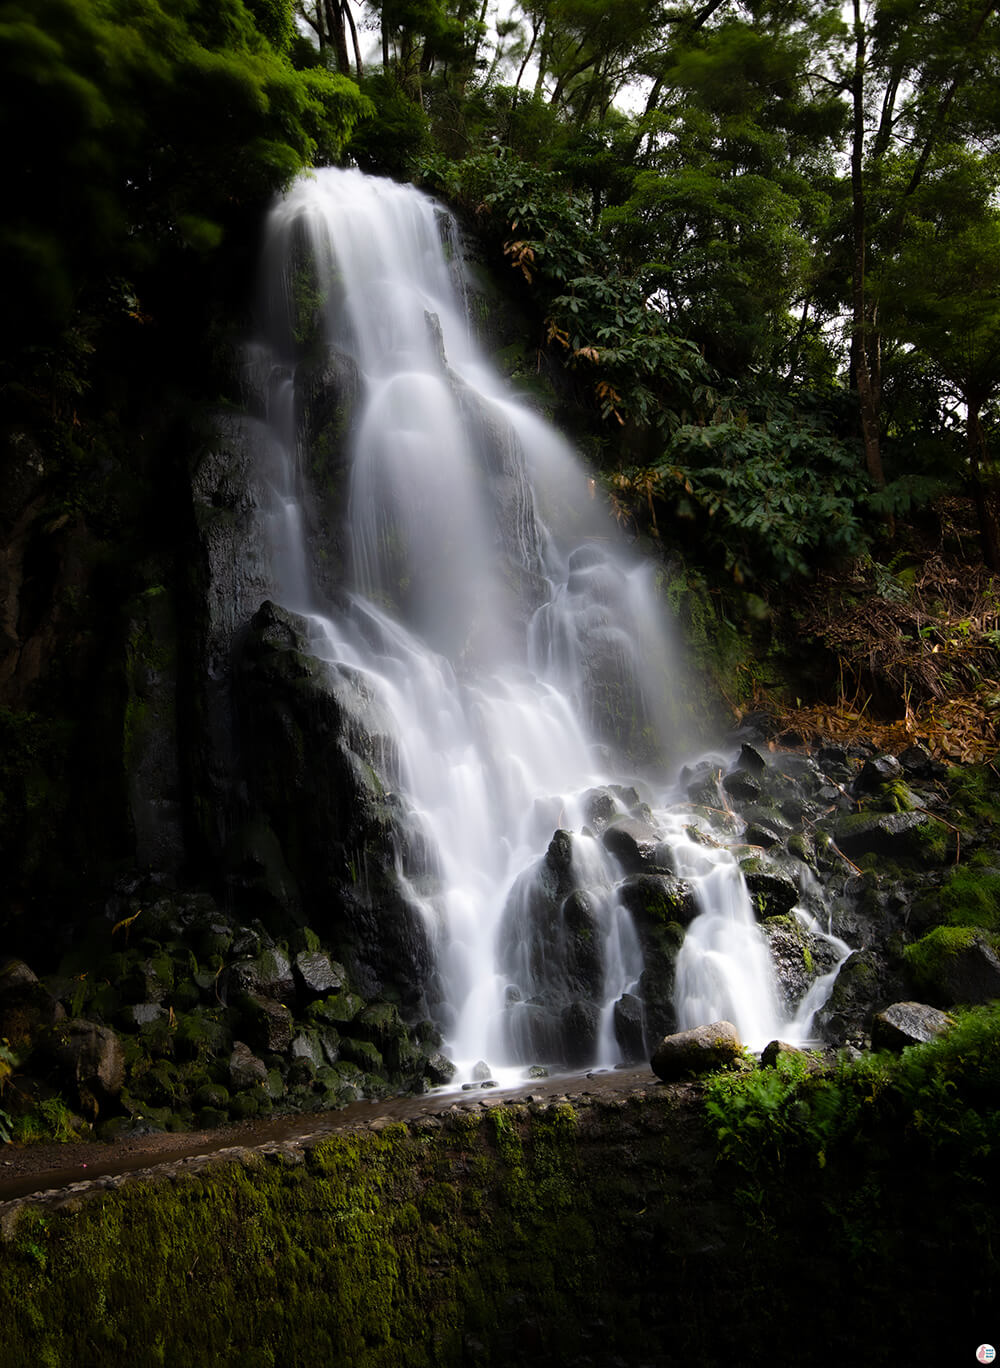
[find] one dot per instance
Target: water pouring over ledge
(515, 654)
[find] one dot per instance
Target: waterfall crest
(513, 648)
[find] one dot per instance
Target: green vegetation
(940, 1101)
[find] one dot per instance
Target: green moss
(927, 958)
(971, 897)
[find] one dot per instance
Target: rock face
(699, 1051)
(328, 830)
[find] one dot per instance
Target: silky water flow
(513, 644)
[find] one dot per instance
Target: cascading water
(515, 649)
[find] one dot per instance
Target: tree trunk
(985, 494)
(335, 28)
(867, 393)
(354, 38)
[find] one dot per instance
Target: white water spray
(493, 613)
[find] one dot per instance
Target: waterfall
(486, 600)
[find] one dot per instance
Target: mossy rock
(658, 900)
(956, 965)
(364, 1053)
(771, 893)
(338, 1009)
(896, 835)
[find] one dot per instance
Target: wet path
(35, 1169)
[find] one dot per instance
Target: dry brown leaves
(923, 638)
(961, 730)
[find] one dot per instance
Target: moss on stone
(927, 957)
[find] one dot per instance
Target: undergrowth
(942, 1098)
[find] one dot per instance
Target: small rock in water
(538, 1071)
(488, 1083)
(481, 1070)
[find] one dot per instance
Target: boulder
(798, 956)
(439, 1070)
(245, 1069)
(780, 1049)
(93, 1057)
(894, 834)
(859, 989)
(270, 1023)
(957, 965)
(316, 974)
(907, 1023)
(876, 773)
(635, 844)
(772, 894)
(658, 899)
(742, 786)
(580, 1025)
(628, 1024)
(698, 1051)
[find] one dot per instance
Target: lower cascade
(482, 622)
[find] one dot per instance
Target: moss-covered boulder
(702, 1050)
(955, 964)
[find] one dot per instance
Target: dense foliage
(801, 194)
(715, 212)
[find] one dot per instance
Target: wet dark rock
(780, 1049)
(26, 1005)
(245, 1068)
(658, 899)
(580, 1026)
(863, 985)
(741, 785)
(320, 775)
(752, 761)
(755, 727)
(907, 1023)
(894, 834)
(92, 1059)
(701, 1050)
(918, 763)
(439, 1069)
(599, 808)
(633, 843)
(969, 975)
(584, 958)
(765, 826)
(559, 860)
(316, 974)
(799, 957)
(268, 1022)
(830, 757)
(306, 1045)
(876, 773)
(629, 1028)
(772, 894)
(139, 1014)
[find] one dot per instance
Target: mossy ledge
(577, 1232)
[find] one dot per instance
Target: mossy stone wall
(604, 1234)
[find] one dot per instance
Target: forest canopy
(760, 239)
